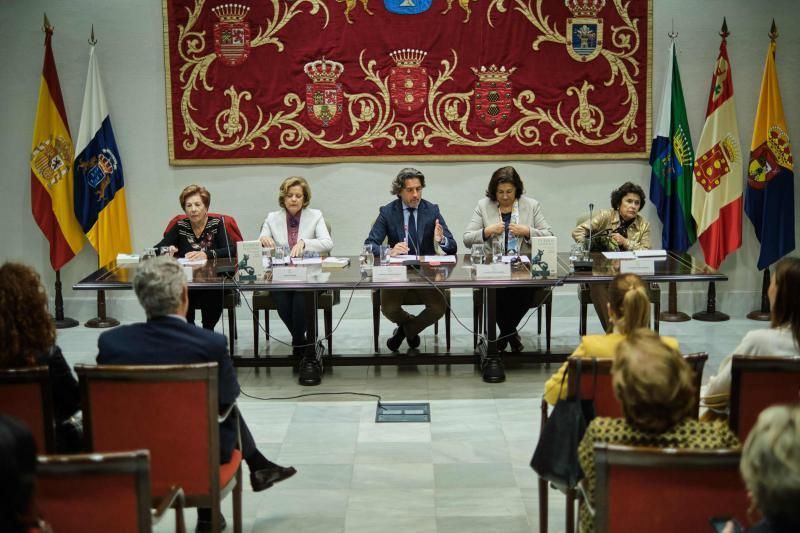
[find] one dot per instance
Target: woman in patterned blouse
(656, 388)
(199, 237)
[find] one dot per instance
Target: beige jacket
(487, 213)
(608, 220)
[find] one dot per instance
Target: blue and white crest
(584, 37)
(407, 7)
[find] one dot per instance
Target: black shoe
(516, 343)
(394, 342)
(414, 342)
(204, 524)
(493, 371)
(310, 371)
(266, 477)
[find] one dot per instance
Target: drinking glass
(477, 254)
(366, 257)
(266, 257)
(165, 250)
(497, 252)
(280, 254)
(575, 252)
(149, 253)
(385, 254)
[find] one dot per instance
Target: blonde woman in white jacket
(302, 229)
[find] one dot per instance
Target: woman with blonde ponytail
(628, 310)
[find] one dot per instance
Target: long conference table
(674, 267)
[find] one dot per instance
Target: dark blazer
(389, 225)
(171, 341)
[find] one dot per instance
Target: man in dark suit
(411, 226)
(166, 338)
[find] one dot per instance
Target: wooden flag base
(711, 314)
(763, 313)
(102, 321)
(672, 314)
(60, 321)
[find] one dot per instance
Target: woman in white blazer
(303, 230)
(512, 219)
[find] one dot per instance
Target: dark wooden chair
(101, 492)
(585, 299)
(231, 300)
(478, 325)
(595, 384)
(25, 394)
(410, 298)
(758, 382)
(263, 301)
(171, 410)
(666, 490)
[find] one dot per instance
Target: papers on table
(306, 260)
(191, 262)
(397, 259)
(443, 259)
(336, 261)
(638, 254)
(127, 259)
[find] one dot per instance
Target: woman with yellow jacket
(628, 309)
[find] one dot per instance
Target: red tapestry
(281, 81)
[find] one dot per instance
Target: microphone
(585, 265)
(225, 270)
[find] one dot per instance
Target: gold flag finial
(724, 31)
(773, 32)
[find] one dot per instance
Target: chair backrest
(595, 380)
(231, 227)
(170, 410)
(666, 490)
(97, 492)
(758, 382)
(25, 394)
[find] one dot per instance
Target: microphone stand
(585, 264)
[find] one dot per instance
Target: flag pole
(101, 320)
(762, 314)
(672, 314)
(60, 321)
(711, 314)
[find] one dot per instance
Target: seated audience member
(628, 310)
(505, 215)
(411, 226)
(199, 236)
(28, 338)
(17, 475)
(301, 229)
(167, 339)
(770, 468)
(782, 338)
(618, 228)
(656, 388)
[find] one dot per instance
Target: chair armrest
(585, 497)
(174, 498)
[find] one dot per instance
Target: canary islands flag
(769, 198)
(671, 158)
(717, 192)
(99, 186)
(51, 166)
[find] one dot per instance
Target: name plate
(493, 271)
(289, 274)
(641, 267)
(389, 273)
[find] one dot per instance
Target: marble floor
(465, 471)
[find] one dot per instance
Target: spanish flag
(51, 167)
(99, 185)
(717, 193)
(769, 198)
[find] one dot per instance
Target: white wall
(131, 58)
